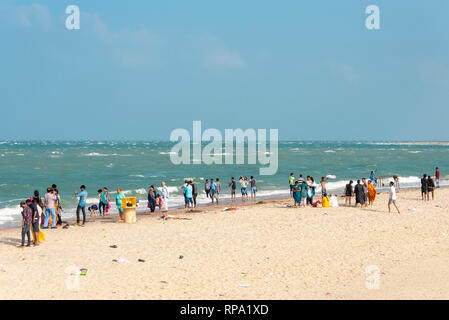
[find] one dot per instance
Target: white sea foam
(329, 151)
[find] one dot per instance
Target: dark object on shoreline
(260, 202)
(141, 260)
(181, 257)
(66, 226)
(195, 210)
(113, 246)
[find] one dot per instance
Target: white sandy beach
(265, 251)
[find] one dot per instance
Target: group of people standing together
(213, 188)
(38, 213)
(428, 185)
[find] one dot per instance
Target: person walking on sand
(424, 189)
(291, 182)
(26, 222)
(348, 193)
(81, 204)
(165, 195)
(437, 177)
(359, 194)
(50, 200)
(207, 188)
(233, 185)
(392, 197)
(253, 188)
(430, 188)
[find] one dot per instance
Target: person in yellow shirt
(325, 201)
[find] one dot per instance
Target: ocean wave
(96, 154)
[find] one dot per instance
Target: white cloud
(34, 15)
(344, 71)
(224, 58)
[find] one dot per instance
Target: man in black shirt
(424, 189)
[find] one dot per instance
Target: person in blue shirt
(372, 177)
(189, 194)
(233, 186)
(81, 204)
(213, 189)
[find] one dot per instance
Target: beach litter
(113, 246)
(66, 226)
(229, 209)
(174, 218)
(141, 260)
(181, 257)
(244, 285)
(121, 260)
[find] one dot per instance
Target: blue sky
(139, 69)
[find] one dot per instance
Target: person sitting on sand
(371, 192)
(348, 193)
(296, 191)
(333, 201)
(325, 201)
(392, 197)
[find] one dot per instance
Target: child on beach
(27, 214)
(392, 197)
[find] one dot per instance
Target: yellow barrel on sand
(129, 206)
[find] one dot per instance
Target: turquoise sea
(134, 166)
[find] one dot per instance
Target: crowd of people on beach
(38, 213)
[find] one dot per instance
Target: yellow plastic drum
(129, 206)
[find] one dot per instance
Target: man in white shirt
(392, 197)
